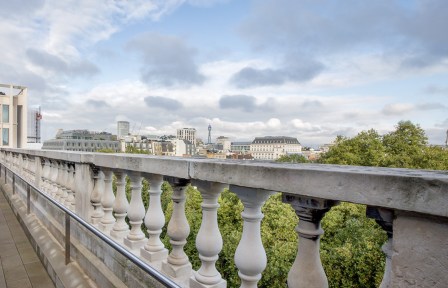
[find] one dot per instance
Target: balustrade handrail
(133, 258)
(421, 191)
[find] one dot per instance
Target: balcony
(70, 195)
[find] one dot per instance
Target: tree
(365, 149)
(406, 146)
(293, 158)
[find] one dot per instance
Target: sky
(311, 69)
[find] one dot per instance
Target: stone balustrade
(410, 205)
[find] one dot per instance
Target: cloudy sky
(312, 69)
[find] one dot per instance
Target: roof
(275, 140)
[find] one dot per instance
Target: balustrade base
(177, 271)
(119, 235)
(106, 228)
(154, 256)
(135, 244)
(96, 220)
(195, 284)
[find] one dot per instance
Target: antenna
(209, 134)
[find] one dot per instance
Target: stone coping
(422, 191)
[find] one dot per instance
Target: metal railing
(167, 282)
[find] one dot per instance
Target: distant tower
(34, 118)
(122, 129)
(209, 134)
(446, 141)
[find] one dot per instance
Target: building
(34, 118)
(122, 129)
(240, 147)
(13, 119)
(82, 140)
(182, 147)
(225, 142)
(273, 147)
(188, 134)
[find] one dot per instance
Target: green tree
(293, 158)
(405, 147)
(365, 149)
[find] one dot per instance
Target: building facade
(273, 147)
(13, 116)
(240, 147)
(188, 134)
(122, 129)
(82, 140)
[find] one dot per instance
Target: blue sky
(312, 69)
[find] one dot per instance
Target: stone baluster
(307, 270)
(63, 184)
(154, 250)
(120, 228)
(177, 264)
(17, 164)
(54, 178)
(47, 179)
(70, 201)
(27, 170)
(250, 256)
(22, 165)
(44, 175)
(208, 240)
(384, 217)
(95, 196)
(107, 201)
(136, 239)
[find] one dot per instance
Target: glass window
(5, 136)
(5, 114)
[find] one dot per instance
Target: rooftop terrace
(411, 205)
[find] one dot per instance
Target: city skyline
(306, 69)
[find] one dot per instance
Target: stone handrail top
(422, 191)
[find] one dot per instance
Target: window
(5, 136)
(5, 114)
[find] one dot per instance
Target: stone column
(178, 265)
(45, 175)
(384, 217)
(250, 256)
(63, 184)
(307, 270)
(95, 197)
(70, 201)
(120, 229)
(37, 171)
(420, 245)
(107, 201)
(208, 240)
(154, 250)
(136, 238)
(54, 174)
(84, 184)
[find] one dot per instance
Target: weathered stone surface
(420, 257)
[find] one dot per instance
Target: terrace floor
(19, 265)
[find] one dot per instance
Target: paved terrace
(410, 205)
(19, 265)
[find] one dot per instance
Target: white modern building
(122, 129)
(182, 147)
(188, 134)
(225, 142)
(13, 116)
(273, 147)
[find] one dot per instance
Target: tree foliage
(293, 158)
(405, 147)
